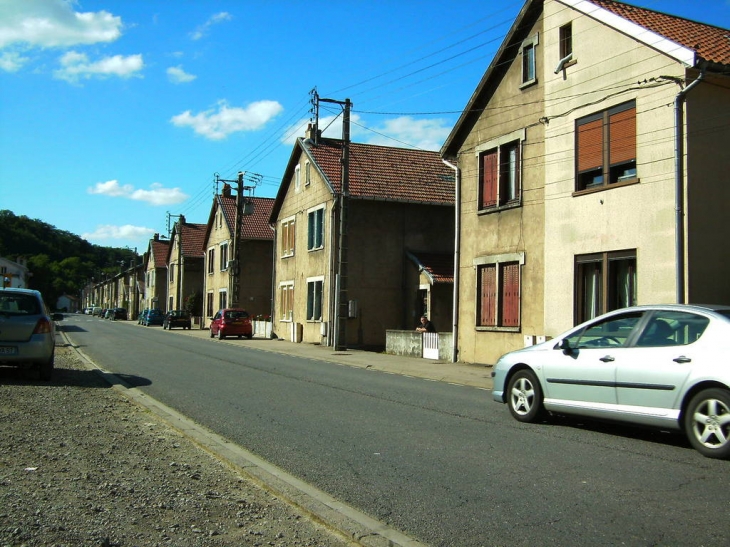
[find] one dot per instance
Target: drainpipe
(679, 183)
(457, 247)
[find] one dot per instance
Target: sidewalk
(443, 371)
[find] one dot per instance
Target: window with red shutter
(510, 294)
(489, 179)
(488, 295)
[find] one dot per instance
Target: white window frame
(312, 213)
(224, 256)
(530, 44)
(286, 315)
(313, 282)
(286, 251)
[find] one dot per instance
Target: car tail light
(43, 326)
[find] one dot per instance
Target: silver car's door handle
(682, 359)
(607, 359)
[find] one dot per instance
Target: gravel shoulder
(81, 464)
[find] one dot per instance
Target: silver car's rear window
(19, 304)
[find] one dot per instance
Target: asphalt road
(440, 462)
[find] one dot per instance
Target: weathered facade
(398, 201)
(155, 274)
(185, 263)
(621, 177)
(252, 270)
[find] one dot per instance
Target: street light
(6, 282)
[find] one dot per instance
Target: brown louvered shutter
(488, 296)
(511, 295)
(489, 179)
(622, 136)
(590, 145)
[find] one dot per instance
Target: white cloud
(218, 124)
(54, 23)
(178, 76)
(12, 61)
(76, 66)
(126, 232)
(156, 195)
(203, 29)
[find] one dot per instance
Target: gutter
(679, 184)
(457, 247)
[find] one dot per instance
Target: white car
(662, 366)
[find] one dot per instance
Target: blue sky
(114, 113)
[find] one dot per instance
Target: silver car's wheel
(707, 423)
(524, 396)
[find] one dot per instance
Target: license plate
(8, 350)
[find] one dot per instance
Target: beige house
(243, 281)
(155, 274)
(185, 263)
(619, 177)
(399, 201)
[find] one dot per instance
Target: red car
(231, 322)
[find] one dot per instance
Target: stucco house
(155, 274)
(399, 201)
(185, 263)
(244, 281)
(14, 274)
(591, 174)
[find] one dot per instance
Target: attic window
(297, 177)
(307, 173)
(529, 61)
(566, 40)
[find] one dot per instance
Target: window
(287, 237)
(224, 256)
(307, 173)
(211, 261)
(315, 234)
(606, 147)
(604, 282)
(566, 41)
(314, 299)
(529, 66)
(286, 298)
(172, 273)
(499, 175)
(672, 328)
(222, 299)
(297, 177)
(498, 302)
(209, 305)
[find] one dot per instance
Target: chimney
(157, 237)
(182, 219)
(312, 134)
(226, 190)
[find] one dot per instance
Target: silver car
(27, 331)
(659, 366)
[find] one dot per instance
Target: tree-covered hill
(60, 262)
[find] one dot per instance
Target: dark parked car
(231, 322)
(27, 332)
(177, 318)
(152, 317)
(118, 313)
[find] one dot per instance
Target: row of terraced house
(586, 173)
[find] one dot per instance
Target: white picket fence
(430, 345)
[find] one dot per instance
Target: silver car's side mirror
(565, 346)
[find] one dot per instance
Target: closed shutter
(590, 145)
(511, 295)
(489, 179)
(622, 136)
(488, 296)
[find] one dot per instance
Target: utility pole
(178, 278)
(340, 341)
(244, 207)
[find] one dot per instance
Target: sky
(116, 116)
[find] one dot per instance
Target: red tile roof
(159, 251)
(709, 42)
(256, 225)
(386, 173)
(438, 266)
(193, 239)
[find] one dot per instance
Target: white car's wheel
(524, 396)
(707, 422)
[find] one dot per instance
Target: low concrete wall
(410, 344)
